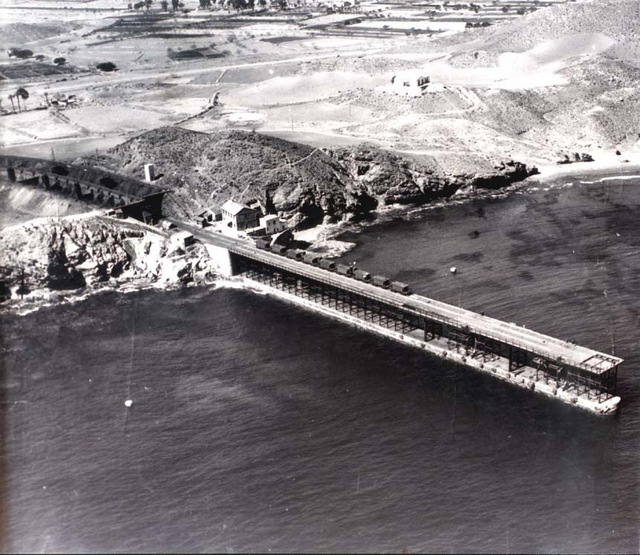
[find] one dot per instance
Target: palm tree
(13, 107)
(22, 93)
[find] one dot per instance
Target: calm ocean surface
(258, 426)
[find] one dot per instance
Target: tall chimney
(149, 173)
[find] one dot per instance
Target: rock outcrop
(385, 178)
(68, 255)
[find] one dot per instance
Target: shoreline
(610, 167)
(324, 238)
(549, 179)
(108, 254)
(46, 298)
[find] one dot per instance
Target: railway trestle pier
(558, 369)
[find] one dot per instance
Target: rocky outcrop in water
(386, 178)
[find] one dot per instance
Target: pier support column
(517, 358)
(432, 330)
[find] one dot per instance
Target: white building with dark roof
(272, 224)
(409, 83)
(238, 216)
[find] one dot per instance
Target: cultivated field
(528, 80)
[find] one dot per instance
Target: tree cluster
(21, 53)
(106, 66)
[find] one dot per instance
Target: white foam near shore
(44, 298)
(613, 178)
(605, 163)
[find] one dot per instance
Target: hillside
(560, 80)
(305, 184)
(203, 170)
(20, 33)
(616, 19)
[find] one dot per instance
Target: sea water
(255, 425)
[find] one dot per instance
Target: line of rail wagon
(327, 264)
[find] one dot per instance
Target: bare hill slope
(616, 19)
(203, 170)
(304, 183)
(561, 80)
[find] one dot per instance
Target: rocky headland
(56, 259)
(307, 186)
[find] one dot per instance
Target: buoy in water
(128, 403)
(453, 269)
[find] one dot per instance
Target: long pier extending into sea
(541, 363)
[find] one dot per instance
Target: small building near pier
(272, 224)
(238, 216)
(409, 83)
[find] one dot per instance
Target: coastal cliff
(389, 178)
(50, 259)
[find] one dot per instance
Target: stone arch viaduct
(135, 198)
